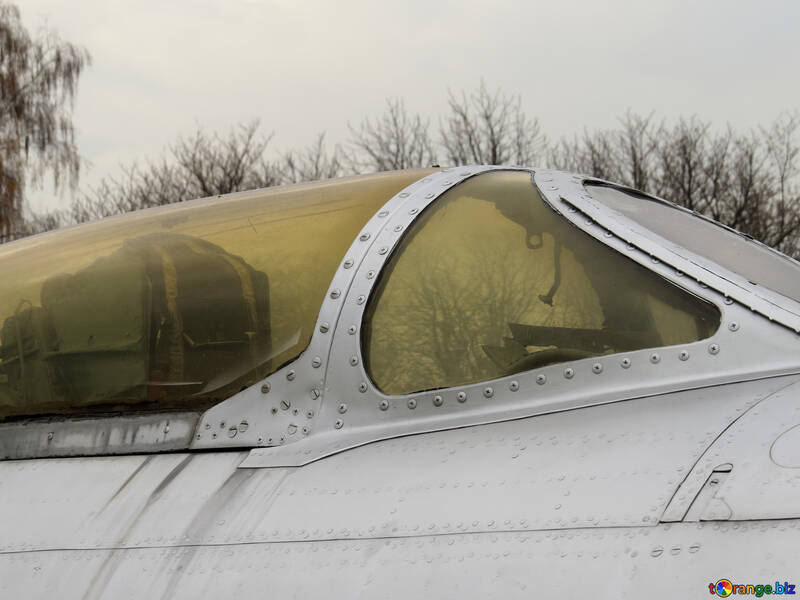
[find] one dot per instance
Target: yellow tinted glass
(174, 307)
(490, 281)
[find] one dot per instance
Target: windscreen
(176, 307)
(732, 250)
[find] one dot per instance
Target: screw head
(290, 375)
(291, 429)
(383, 213)
(625, 363)
(488, 392)
(655, 358)
(597, 368)
(541, 379)
(370, 274)
(324, 327)
(309, 414)
(438, 400)
(342, 408)
(316, 362)
(683, 355)
(362, 387)
(285, 404)
(461, 397)
(513, 386)
(336, 293)
(364, 237)
(348, 263)
(352, 329)
(339, 423)
(713, 348)
(232, 431)
(315, 393)
(353, 361)
(728, 300)
(569, 373)
(384, 405)
(733, 326)
(414, 211)
(243, 426)
(265, 388)
(398, 228)
(412, 403)
(383, 250)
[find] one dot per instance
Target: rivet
(513, 386)
(352, 329)
(290, 375)
(361, 299)
(291, 429)
(222, 424)
(309, 414)
(274, 410)
(683, 355)
(461, 397)
(338, 424)
(625, 363)
(398, 228)
(364, 237)
(727, 300)
(654, 260)
(305, 430)
(465, 174)
(541, 379)
(404, 194)
(260, 440)
(265, 388)
(438, 401)
(383, 213)
(488, 392)
(243, 426)
(348, 263)
(336, 293)
(428, 196)
(655, 358)
(316, 362)
(213, 436)
(362, 387)
(608, 234)
(554, 187)
(734, 326)
(199, 436)
(713, 348)
(315, 393)
(412, 403)
(208, 425)
(370, 274)
(324, 327)
(384, 405)
(597, 368)
(342, 408)
(383, 250)
(286, 404)
(630, 247)
(569, 373)
(413, 211)
(353, 361)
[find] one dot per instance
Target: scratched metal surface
(667, 561)
(419, 514)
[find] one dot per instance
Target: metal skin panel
(761, 450)
(613, 465)
(538, 507)
(669, 561)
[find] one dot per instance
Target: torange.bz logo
(725, 587)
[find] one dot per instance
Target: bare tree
(490, 128)
(312, 163)
(396, 140)
(38, 81)
(201, 165)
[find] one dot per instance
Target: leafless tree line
(747, 180)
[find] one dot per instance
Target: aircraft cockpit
(303, 320)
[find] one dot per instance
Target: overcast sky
(162, 67)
